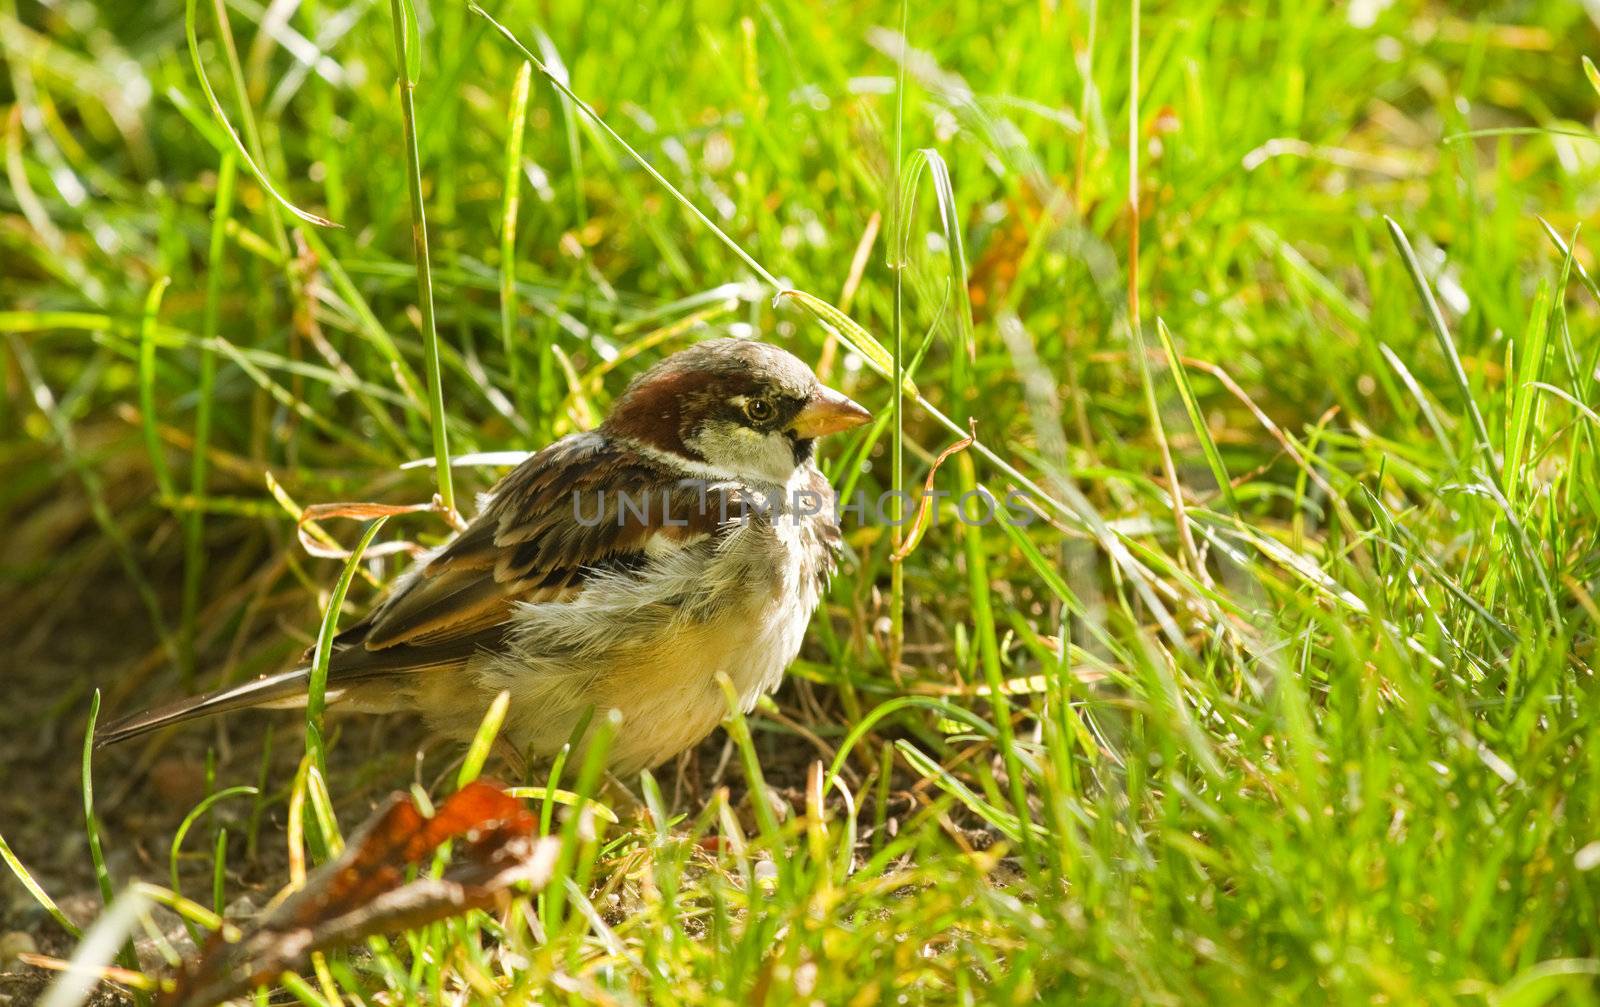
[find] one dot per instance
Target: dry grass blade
(925, 507)
(313, 515)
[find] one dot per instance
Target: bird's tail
(285, 689)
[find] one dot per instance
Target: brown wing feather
(551, 523)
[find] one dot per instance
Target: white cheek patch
(740, 451)
(778, 455)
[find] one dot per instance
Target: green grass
(1288, 692)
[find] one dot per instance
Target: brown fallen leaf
(364, 891)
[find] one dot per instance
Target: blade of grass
(930, 770)
(638, 158)
(1135, 319)
(1197, 418)
(128, 958)
(897, 471)
(222, 119)
(963, 353)
(930, 160)
(183, 831)
(219, 871)
(569, 128)
(294, 833)
(859, 339)
(944, 708)
(596, 747)
(1447, 345)
(95, 951)
(979, 593)
(739, 730)
(317, 685)
(1525, 400)
(419, 246)
(1429, 414)
(194, 557)
(565, 798)
(510, 199)
(147, 385)
(488, 730)
(321, 804)
(39, 894)
(1566, 252)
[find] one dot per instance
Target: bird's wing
(551, 523)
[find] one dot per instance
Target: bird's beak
(827, 412)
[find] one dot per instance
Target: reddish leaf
(364, 891)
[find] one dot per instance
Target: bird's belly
(672, 696)
(656, 663)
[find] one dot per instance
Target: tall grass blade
(419, 248)
(897, 460)
(878, 357)
(510, 200)
(930, 160)
(1566, 252)
(569, 127)
(147, 387)
(194, 557)
(1447, 345)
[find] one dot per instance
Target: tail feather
(354, 672)
(286, 688)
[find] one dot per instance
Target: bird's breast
(652, 642)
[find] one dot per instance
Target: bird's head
(733, 408)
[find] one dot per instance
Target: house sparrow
(624, 568)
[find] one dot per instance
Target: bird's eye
(759, 410)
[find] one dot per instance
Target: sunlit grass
(1284, 690)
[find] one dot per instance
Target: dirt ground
(144, 789)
